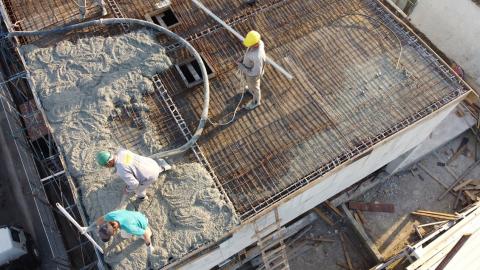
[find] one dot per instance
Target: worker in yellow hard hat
(253, 66)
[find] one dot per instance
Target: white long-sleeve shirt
(135, 169)
(254, 61)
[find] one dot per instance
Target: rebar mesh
(359, 77)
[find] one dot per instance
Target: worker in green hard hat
(138, 172)
(253, 66)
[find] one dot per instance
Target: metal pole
(75, 223)
(240, 37)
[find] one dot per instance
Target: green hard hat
(103, 157)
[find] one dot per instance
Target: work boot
(164, 165)
(104, 12)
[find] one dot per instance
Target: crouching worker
(138, 172)
(127, 222)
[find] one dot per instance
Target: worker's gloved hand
(83, 230)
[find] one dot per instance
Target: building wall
(324, 188)
(454, 27)
(451, 127)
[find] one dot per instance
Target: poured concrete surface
(95, 93)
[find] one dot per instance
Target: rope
(242, 84)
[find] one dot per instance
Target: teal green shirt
(130, 221)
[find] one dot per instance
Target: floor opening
(165, 17)
(191, 73)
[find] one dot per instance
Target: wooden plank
(452, 252)
(372, 207)
(437, 213)
(362, 217)
(323, 216)
(357, 217)
(373, 250)
(320, 239)
(463, 184)
(334, 209)
(460, 148)
(459, 179)
(342, 265)
(433, 216)
(470, 196)
(345, 252)
(471, 188)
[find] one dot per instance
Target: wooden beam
(463, 184)
(433, 216)
(372, 207)
(460, 148)
(437, 213)
(470, 196)
(345, 252)
(459, 179)
(373, 250)
(323, 216)
(362, 217)
(438, 181)
(334, 209)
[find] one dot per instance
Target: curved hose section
(190, 48)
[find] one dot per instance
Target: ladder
(117, 12)
(272, 246)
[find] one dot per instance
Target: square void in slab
(191, 73)
(164, 17)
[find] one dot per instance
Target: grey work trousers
(82, 5)
(253, 84)
(142, 188)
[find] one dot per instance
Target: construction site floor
(408, 191)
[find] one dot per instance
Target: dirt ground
(409, 190)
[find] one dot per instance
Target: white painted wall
(454, 27)
(451, 127)
(327, 186)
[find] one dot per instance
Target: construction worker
(82, 5)
(137, 171)
(253, 66)
(129, 223)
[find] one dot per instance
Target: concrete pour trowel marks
(80, 85)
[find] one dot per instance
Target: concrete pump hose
(190, 48)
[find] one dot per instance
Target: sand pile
(81, 85)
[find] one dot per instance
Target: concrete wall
(451, 127)
(454, 27)
(322, 189)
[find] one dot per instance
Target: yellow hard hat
(252, 38)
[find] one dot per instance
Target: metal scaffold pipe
(240, 37)
(190, 48)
